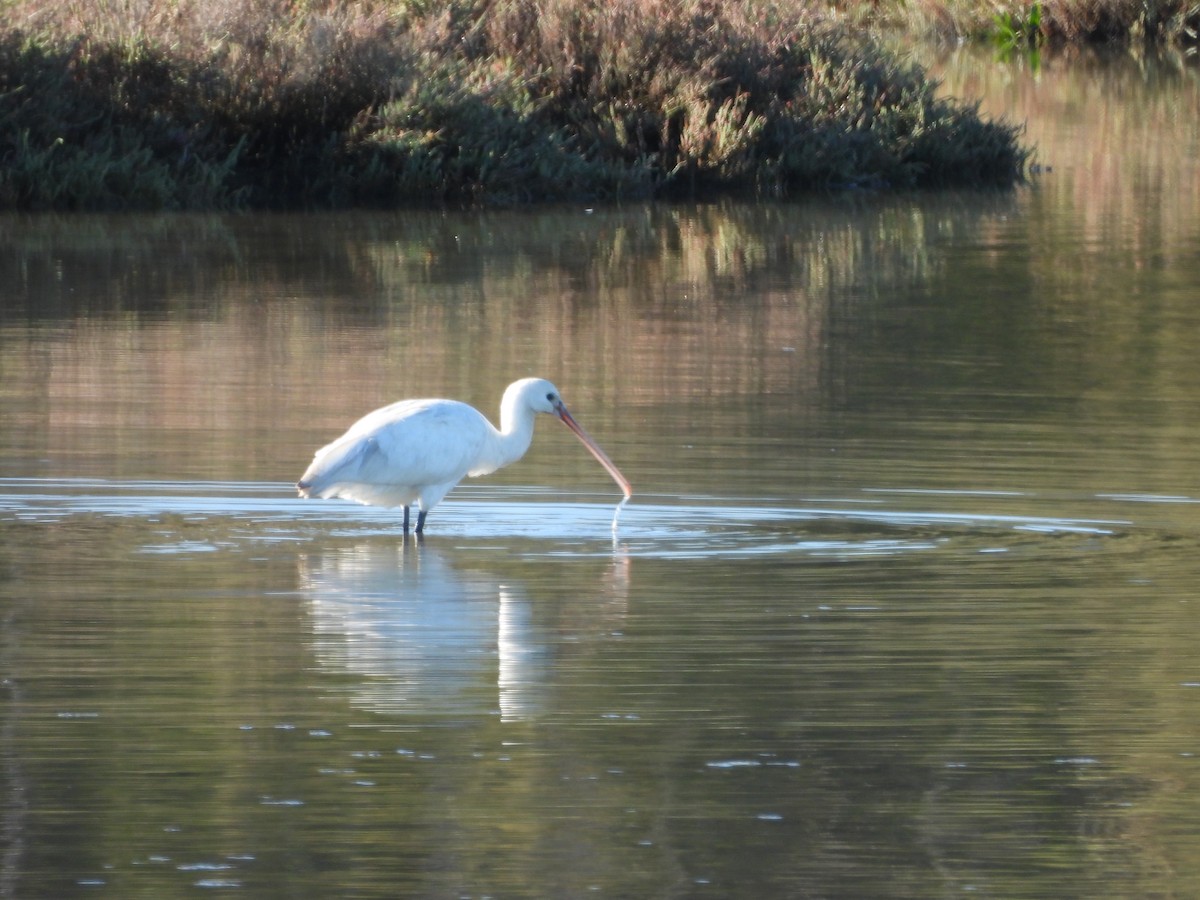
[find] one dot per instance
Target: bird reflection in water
(420, 635)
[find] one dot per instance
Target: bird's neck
(515, 435)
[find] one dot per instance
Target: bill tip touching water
(414, 452)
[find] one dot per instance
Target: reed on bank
(185, 104)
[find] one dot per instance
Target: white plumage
(415, 451)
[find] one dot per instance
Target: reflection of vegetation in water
(1109, 224)
(342, 313)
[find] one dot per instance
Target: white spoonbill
(415, 451)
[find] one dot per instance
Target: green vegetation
(1028, 22)
(1013, 29)
(263, 103)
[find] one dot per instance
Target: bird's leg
(420, 522)
(406, 520)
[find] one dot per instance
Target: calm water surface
(904, 606)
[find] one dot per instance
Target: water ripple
(874, 523)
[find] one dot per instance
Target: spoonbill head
(416, 451)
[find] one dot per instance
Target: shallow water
(903, 605)
(883, 695)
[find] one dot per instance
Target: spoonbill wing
(390, 455)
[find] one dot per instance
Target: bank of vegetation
(193, 104)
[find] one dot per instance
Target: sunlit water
(903, 605)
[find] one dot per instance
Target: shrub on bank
(257, 103)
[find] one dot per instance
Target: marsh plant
(265, 103)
